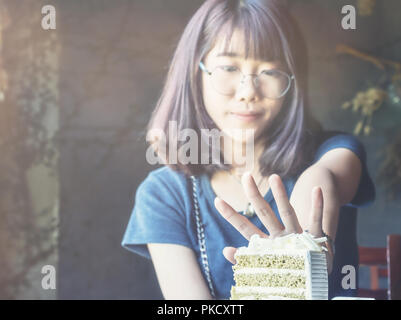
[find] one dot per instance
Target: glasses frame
(290, 78)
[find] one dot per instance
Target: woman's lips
(247, 117)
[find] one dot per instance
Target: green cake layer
(286, 280)
(270, 261)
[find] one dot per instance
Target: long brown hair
(271, 34)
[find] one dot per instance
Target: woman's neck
(243, 156)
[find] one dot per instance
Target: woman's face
(247, 107)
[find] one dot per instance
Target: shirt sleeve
(366, 192)
(157, 217)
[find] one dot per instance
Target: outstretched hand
(268, 217)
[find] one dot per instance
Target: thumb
(228, 253)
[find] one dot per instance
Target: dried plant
(366, 103)
(366, 7)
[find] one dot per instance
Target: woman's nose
(247, 89)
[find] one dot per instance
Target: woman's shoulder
(332, 139)
(328, 134)
(164, 180)
(165, 173)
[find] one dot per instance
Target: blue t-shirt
(163, 213)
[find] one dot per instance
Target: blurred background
(74, 102)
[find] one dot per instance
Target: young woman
(241, 65)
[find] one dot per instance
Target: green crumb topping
(270, 261)
(270, 280)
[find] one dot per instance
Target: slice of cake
(289, 267)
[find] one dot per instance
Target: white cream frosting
(272, 293)
(270, 270)
(270, 297)
(269, 290)
(295, 243)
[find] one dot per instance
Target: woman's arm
(178, 272)
(338, 173)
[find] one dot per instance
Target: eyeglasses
(273, 84)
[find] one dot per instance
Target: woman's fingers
(287, 212)
(262, 208)
(228, 253)
(238, 221)
(315, 223)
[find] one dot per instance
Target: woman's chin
(238, 135)
(244, 135)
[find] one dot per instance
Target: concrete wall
(29, 196)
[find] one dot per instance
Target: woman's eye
(228, 68)
(271, 73)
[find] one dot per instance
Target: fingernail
(246, 173)
(245, 176)
(316, 189)
(218, 201)
(273, 180)
(272, 177)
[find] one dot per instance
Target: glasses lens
(225, 79)
(274, 83)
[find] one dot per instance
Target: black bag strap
(201, 236)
